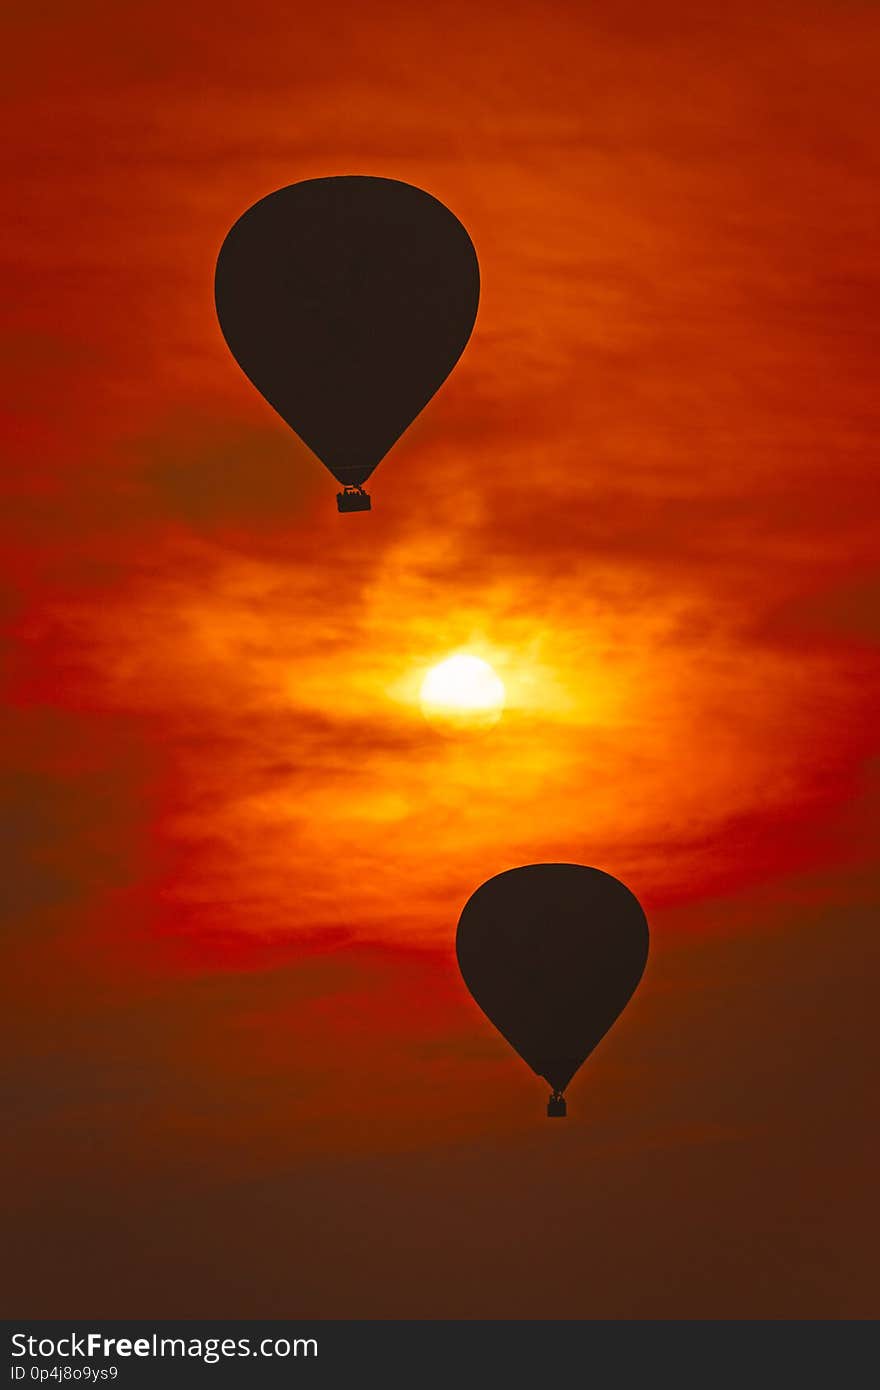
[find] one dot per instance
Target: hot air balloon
(552, 953)
(347, 301)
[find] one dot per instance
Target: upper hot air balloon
(552, 953)
(347, 302)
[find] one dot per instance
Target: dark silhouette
(347, 302)
(552, 953)
(556, 1107)
(353, 499)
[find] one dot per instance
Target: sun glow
(462, 692)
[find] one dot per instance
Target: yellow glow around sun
(462, 692)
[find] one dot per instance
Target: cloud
(729, 1109)
(646, 495)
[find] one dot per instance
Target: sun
(462, 692)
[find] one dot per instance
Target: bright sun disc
(463, 692)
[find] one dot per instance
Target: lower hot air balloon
(552, 953)
(347, 301)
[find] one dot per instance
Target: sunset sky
(246, 1078)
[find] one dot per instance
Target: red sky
(246, 1078)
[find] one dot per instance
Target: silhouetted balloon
(552, 954)
(347, 302)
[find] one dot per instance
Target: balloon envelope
(552, 954)
(347, 302)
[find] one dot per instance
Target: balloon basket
(556, 1108)
(353, 499)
